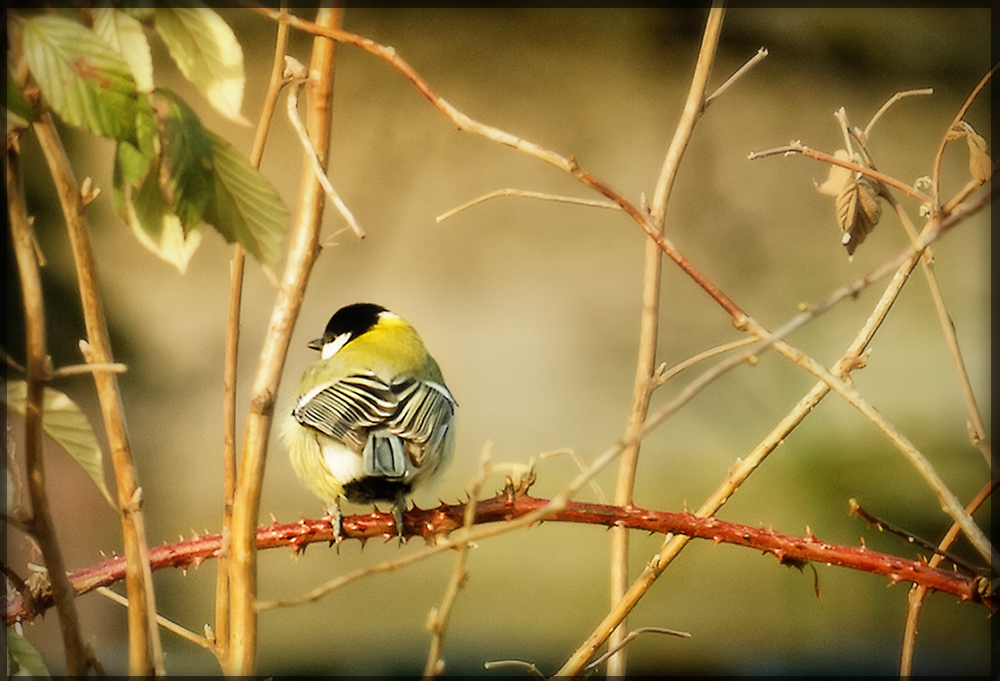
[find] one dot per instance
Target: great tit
(373, 418)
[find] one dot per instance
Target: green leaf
(162, 186)
(86, 83)
(246, 208)
(27, 658)
(156, 226)
(131, 165)
(185, 158)
(207, 53)
(125, 36)
(63, 421)
(132, 162)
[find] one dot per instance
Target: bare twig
(799, 148)
(642, 386)
(936, 168)
(167, 624)
(949, 502)
(979, 437)
(347, 578)
(739, 73)
(529, 195)
(632, 635)
(885, 107)
(526, 667)
(663, 374)
(885, 526)
(437, 618)
(230, 362)
(302, 253)
(79, 369)
(41, 523)
(300, 129)
(571, 453)
(145, 651)
(918, 591)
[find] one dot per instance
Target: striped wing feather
(415, 411)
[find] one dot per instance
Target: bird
(372, 419)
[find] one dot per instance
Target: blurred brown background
(532, 311)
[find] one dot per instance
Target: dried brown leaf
(980, 163)
(858, 210)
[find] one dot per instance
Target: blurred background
(532, 309)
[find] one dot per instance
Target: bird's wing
(424, 411)
(346, 407)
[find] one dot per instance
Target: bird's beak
(316, 344)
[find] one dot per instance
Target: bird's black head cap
(353, 319)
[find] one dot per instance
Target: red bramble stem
(789, 549)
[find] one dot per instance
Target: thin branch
(634, 634)
(799, 148)
(167, 624)
(740, 72)
(331, 193)
(10, 361)
(526, 667)
(526, 194)
(968, 190)
(885, 526)
(437, 619)
(979, 437)
(571, 453)
(145, 651)
(302, 254)
(230, 362)
(79, 369)
(343, 580)
(936, 167)
(885, 107)
(42, 525)
(694, 106)
(663, 374)
(919, 592)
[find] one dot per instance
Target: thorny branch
(437, 523)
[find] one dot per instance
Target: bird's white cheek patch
(334, 346)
